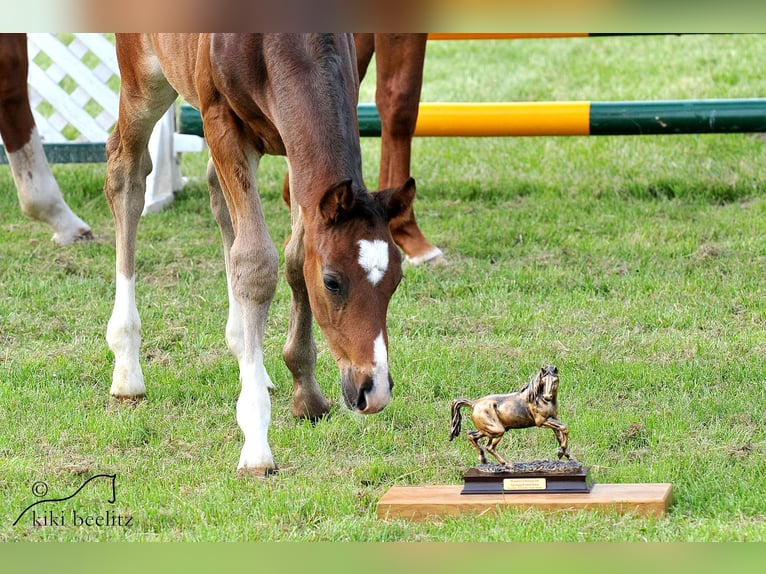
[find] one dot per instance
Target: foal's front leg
(299, 351)
(128, 164)
(252, 269)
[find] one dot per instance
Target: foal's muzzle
(364, 393)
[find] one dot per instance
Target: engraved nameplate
(525, 484)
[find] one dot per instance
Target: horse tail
(457, 418)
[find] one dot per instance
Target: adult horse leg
(299, 351)
(562, 436)
(128, 164)
(399, 65)
(39, 194)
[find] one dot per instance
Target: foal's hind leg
(299, 351)
(235, 336)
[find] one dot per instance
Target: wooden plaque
(422, 502)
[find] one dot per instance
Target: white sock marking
(235, 330)
(254, 414)
(373, 257)
(123, 333)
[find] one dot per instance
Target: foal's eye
(331, 283)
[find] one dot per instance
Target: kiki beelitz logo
(40, 513)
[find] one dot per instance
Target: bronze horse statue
(534, 405)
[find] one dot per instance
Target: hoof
(257, 472)
(313, 418)
(130, 401)
(314, 408)
(86, 236)
(62, 240)
(316, 419)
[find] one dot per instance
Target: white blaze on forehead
(373, 257)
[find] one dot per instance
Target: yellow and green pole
(485, 119)
(667, 117)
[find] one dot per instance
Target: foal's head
(352, 267)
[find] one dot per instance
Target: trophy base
(543, 477)
(431, 501)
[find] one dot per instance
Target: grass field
(636, 265)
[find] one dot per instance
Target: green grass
(636, 265)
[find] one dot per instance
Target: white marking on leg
(123, 334)
(373, 257)
(426, 257)
(254, 415)
(235, 330)
(39, 194)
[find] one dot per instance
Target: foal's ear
(336, 201)
(397, 200)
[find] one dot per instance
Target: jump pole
(485, 119)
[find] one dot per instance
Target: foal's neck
(316, 109)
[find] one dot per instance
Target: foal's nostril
(361, 401)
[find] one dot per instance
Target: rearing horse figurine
(281, 94)
(534, 405)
